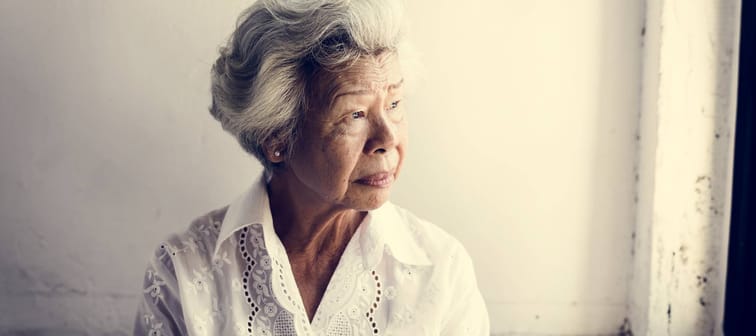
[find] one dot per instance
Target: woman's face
(352, 143)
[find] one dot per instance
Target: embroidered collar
(382, 228)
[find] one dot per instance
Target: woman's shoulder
(452, 272)
(438, 244)
(198, 239)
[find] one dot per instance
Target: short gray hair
(262, 80)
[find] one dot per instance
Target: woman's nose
(384, 135)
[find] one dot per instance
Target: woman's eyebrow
(396, 85)
(353, 93)
(365, 91)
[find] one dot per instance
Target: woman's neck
(308, 228)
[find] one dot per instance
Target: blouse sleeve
(468, 315)
(159, 311)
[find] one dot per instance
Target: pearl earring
(276, 153)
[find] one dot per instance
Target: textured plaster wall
(522, 145)
(685, 167)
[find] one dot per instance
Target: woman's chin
(371, 201)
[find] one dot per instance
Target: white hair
(263, 78)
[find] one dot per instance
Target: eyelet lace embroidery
(156, 327)
(155, 289)
(284, 325)
(358, 301)
(339, 326)
(265, 317)
(374, 306)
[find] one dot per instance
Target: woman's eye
(394, 104)
(358, 114)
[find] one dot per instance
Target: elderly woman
(313, 89)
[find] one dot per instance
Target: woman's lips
(380, 180)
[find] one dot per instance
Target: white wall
(522, 145)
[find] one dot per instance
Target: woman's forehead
(369, 73)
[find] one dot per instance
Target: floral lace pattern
(229, 274)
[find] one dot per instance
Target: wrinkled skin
(321, 192)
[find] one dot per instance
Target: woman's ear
(274, 152)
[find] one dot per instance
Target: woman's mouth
(379, 180)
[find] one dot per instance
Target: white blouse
(229, 274)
